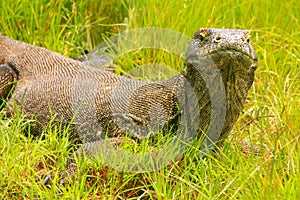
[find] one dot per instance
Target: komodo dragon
(46, 84)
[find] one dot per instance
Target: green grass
(269, 120)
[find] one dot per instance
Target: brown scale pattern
(49, 84)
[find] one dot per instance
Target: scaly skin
(48, 84)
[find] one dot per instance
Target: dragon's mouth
(233, 57)
(201, 53)
(235, 64)
(247, 53)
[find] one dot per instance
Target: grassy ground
(270, 118)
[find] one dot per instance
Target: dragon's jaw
(232, 59)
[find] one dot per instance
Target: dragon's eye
(246, 37)
(199, 36)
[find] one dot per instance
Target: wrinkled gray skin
(229, 50)
(47, 84)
